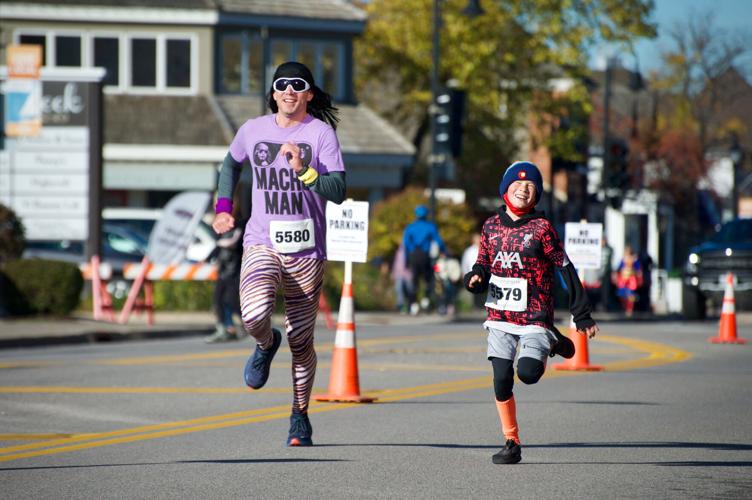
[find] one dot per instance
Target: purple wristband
(223, 205)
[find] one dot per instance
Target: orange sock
(508, 416)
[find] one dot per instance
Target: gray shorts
(532, 345)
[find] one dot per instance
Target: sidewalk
(81, 328)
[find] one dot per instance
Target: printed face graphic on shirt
(265, 153)
(283, 191)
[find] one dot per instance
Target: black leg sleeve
(503, 370)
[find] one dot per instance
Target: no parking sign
(582, 242)
(347, 231)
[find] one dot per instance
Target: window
(153, 62)
(255, 66)
(178, 63)
(331, 69)
(68, 51)
(143, 62)
(241, 64)
(281, 52)
(36, 40)
(106, 52)
(323, 58)
(231, 68)
(306, 54)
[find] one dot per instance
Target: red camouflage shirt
(528, 248)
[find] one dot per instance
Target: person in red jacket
(519, 249)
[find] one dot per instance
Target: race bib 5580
(292, 236)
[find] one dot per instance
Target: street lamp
(438, 157)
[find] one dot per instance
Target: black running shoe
(257, 367)
(300, 430)
(563, 347)
(511, 453)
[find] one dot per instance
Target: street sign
(23, 91)
(582, 242)
(347, 231)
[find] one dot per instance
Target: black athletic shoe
(563, 347)
(300, 430)
(256, 371)
(511, 453)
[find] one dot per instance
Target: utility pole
(433, 159)
(606, 171)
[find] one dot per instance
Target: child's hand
(590, 331)
(474, 281)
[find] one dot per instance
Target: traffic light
(448, 125)
(618, 165)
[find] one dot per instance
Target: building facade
(183, 75)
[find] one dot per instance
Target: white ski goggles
(298, 85)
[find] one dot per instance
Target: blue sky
(729, 15)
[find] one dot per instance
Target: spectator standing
(628, 277)
(417, 238)
(469, 256)
(402, 278)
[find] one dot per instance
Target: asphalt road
(668, 418)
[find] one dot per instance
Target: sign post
(582, 242)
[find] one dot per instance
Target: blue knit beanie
(522, 171)
(421, 211)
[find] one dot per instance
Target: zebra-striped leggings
(263, 271)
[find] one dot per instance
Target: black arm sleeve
(485, 276)
(579, 305)
(228, 177)
(331, 186)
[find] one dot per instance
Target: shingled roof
(340, 10)
(320, 9)
(175, 120)
(360, 130)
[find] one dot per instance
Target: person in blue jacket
(418, 238)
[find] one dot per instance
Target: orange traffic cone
(343, 380)
(727, 330)
(581, 359)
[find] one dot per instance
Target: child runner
(518, 251)
(285, 237)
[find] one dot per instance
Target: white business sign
(347, 231)
(582, 242)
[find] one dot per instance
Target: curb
(96, 337)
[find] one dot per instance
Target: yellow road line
(133, 390)
(656, 354)
(32, 437)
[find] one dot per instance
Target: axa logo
(506, 259)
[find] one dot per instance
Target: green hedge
(372, 288)
(38, 286)
(183, 295)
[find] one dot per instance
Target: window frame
(119, 88)
(124, 57)
(247, 36)
(318, 70)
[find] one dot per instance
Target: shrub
(372, 287)
(41, 286)
(183, 295)
(12, 241)
(456, 224)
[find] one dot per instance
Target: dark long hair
(319, 107)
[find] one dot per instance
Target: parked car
(728, 251)
(143, 220)
(119, 247)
